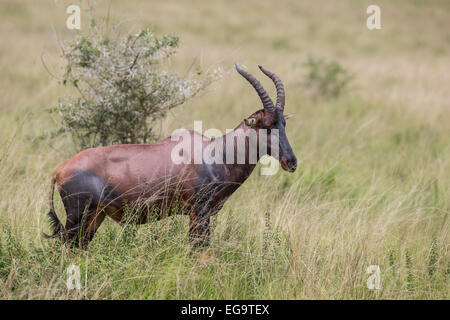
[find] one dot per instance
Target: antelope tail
(56, 225)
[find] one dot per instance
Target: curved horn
(265, 99)
(278, 85)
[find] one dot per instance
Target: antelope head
(271, 117)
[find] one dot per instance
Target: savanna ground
(372, 186)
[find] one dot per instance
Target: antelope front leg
(199, 232)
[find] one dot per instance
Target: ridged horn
(278, 85)
(265, 99)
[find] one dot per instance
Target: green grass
(372, 185)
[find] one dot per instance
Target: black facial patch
(285, 149)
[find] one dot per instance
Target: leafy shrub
(325, 79)
(122, 86)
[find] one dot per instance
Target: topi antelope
(102, 181)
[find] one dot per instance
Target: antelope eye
(250, 121)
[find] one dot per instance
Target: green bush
(325, 79)
(122, 86)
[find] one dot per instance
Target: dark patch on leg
(82, 196)
(209, 181)
(90, 184)
(92, 223)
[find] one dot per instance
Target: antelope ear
(287, 116)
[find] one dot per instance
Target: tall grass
(371, 188)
